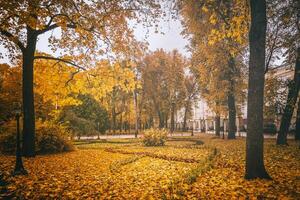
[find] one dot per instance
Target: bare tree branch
(61, 60)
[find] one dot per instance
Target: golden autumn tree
(111, 83)
(218, 27)
(10, 89)
(86, 28)
(54, 85)
(162, 77)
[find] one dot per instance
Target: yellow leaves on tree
(55, 82)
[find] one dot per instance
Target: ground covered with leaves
(199, 167)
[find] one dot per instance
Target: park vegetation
(101, 82)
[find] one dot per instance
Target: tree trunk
(166, 121)
(121, 124)
(232, 116)
(297, 133)
(172, 128)
(218, 125)
(185, 116)
(161, 120)
(231, 99)
(113, 115)
(290, 104)
(255, 142)
(136, 131)
(28, 95)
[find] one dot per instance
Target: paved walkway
(129, 136)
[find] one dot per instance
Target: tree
(163, 85)
(10, 90)
(283, 41)
(297, 133)
(191, 94)
(274, 96)
(220, 24)
(112, 84)
(84, 25)
(290, 105)
(254, 142)
(85, 118)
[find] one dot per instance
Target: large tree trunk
(255, 142)
(297, 134)
(172, 128)
(28, 95)
(232, 116)
(218, 125)
(290, 104)
(231, 100)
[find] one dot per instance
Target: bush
(50, 138)
(155, 137)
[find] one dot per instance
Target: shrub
(155, 137)
(50, 138)
(199, 142)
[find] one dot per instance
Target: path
(130, 136)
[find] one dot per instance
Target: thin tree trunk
(161, 119)
(297, 133)
(255, 142)
(121, 124)
(172, 128)
(28, 95)
(218, 125)
(113, 120)
(231, 116)
(185, 116)
(290, 104)
(166, 121)
(136, 131)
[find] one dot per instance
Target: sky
(171, 39)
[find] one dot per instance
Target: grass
(125, 169)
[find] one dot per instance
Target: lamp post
(19, 168)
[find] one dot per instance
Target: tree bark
(28, 95)
(231, 100)
(218, 125)
(166, 121)
(172, 128)
(136, 131)
(161, 119)
(290, 104)
(113, 124)
(185, 116)
(297, 133)
(231, 116)
(255, 142)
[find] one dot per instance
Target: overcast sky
(171, 39)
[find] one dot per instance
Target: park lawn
(184, 168)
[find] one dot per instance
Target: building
(203, 119)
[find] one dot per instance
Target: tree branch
(61, 60)
(13, 39)
(272, 49)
